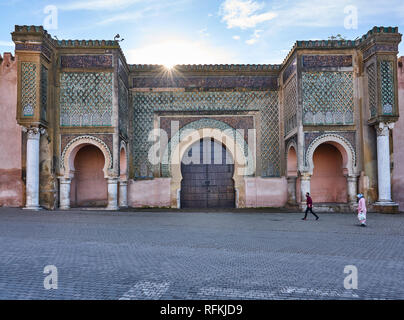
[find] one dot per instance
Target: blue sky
(203, 31)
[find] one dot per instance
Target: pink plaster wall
(328, 183)
(398, 142)
(89, 187)
(266, 192)
(11, 184)
(149, 193)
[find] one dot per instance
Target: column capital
(112, 180)
(64, 179)
(34, 132)
(305, 176)
(382, 128)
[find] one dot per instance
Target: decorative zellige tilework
(290, 105)
(328, 98)
(28, 88)
(86, 99)
(44, 91)
(387, 86)
(145, 103)
(123, 107)
(372, 87)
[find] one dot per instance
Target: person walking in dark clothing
(309, 203)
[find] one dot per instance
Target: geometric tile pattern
(387, 86)
(328, 98)
(372, 88)
(123, 106)
(44, 91)
(87, 61)
(327, 61)
(86, 99)
(266, 102)
(28, 88)
(290, 105)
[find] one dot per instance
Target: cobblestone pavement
(159, 254)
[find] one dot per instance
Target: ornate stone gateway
(305, 125)
(207, 181)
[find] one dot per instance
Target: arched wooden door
(207, 175)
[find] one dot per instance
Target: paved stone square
(157, 254)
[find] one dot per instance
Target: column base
(112, 208)
(34, 208)
(64, 208)
(386, 207)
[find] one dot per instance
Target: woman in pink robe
(362, 210)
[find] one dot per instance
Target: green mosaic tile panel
(86, 99)
(123, 107)
(328, 98)
(146, 103)
(290, 105)
(387, 86)
(28, 88)
(372, 87)
(44, 92)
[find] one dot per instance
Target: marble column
(304, 187)
(123, 193)
(383, 162)
(112, 194)
(352, 188)
(32, 177)
(65, 193)
(292, 190)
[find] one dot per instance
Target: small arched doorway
(328, 182)
(89, 187)
(207, 169)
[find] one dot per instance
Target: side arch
(123, 161)
(291, 145)
(343, 145)
(71, 149)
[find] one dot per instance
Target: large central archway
(207, 176)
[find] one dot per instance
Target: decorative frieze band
(326, 61)
(86, 61)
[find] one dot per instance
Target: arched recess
(192, 136)
(339, 142)
(292, 173)
(331, 164)
(291, 160)
(89, 148)
(123, 162)
(89, 188)
(70, 151)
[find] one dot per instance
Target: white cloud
(254, 37)
(236, 37)
(179, 51)
(244, 13)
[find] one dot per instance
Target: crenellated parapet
(6, 61)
